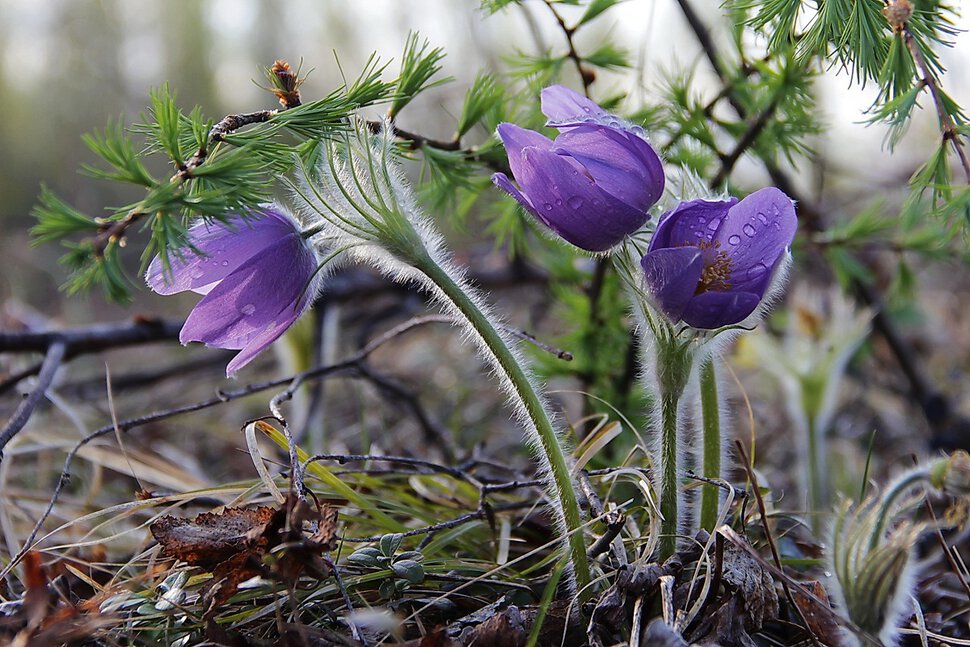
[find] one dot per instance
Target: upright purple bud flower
(258, 276)
(710, 263)
(594, 184)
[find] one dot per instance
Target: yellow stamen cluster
(717, 273)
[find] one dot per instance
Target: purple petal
(755, 233)
(259, 342)
(254, 305)
(559, 103)
(571, 204)
(516, 140)
(690, 223)
(672, 275)
(623, 165)
(224, 248)
(501, 180)
(712, 310)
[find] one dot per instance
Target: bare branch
(52, 362)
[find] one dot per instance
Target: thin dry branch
(222, 397)
(928, 80)
(52, 362)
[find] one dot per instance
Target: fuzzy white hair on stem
(358, 196)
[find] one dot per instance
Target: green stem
(711, 419)
(553, 455)
(675, 359)
(669, 485)
(815, 497)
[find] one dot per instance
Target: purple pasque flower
(257, 273)
(710, 263)
(594, 184)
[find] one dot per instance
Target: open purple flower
(710, 263)
(258, 275)
(594, 184)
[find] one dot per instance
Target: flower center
(717, 269)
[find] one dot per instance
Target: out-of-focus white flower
(824, 330)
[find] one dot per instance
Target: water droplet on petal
(734, 239)
(763, 218)
(585, 108)
(225, 263)
(776, 225)
(558, 202)
(247, 309)
(757, 271)
(575, 202)
(749, 230)
(547, 206)
(712, 225)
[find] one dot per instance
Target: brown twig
(114, 231)
(52, 362)
(928, 80)
(763, 513)
(222, 397)
(746, 141)
(585, 75)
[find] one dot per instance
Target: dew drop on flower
(225, 263)
(763, 218)
(547, 206)
(734, 239)
(248, 309)
(575, 202)
(756, 271)
(749, 230)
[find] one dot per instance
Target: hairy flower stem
(711, 421)
(670, 487)
(674, 361)
(552, 455)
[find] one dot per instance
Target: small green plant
(405, 568)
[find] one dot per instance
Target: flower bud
(594, 184)
(951, 475)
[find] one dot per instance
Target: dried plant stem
(711, 422)
(552, 455)
(48, 370)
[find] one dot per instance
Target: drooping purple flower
(594, 184)
(710, 263)
(257, 274)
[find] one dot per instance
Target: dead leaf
(233, 545)
(753, 584)
(212, 538)
(821, 624)
(659, 634)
